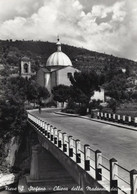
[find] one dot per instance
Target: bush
(14, 169)
(70, 111)
(95, 104)
(71, 105)
(51, 104)
(113, 105)
(82, 110)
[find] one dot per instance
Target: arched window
(26, 68)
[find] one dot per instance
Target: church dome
(58, 58)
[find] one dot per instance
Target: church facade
(57, 70)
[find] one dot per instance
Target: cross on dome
(58, 38)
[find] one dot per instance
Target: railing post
(98, 161)
(78, 149)
(37, 122)
(105, 116)
(97, 115)
(109, 116)
(48, 130)
(42, 128)
(45, 131)
(40, 124)
(86, 157)
(101, 115)
(70, 145)
(118, 117)
(113, 176)
(59, 141)
(124, 119)
(51, 132)
(43, 125)
(135, 121)
(133, 181)
(55, 135)
(129, 120)
(114, 117)
(64, 142)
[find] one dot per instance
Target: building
(99, 95)
(57, 70)
(25, 68)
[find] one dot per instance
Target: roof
(45, 70)
(25, 58)
(58, 59)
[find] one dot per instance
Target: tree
(84, 84)
(113, 105)
(32, 91)
(16, 90)
(116, 88)
(61, 93)
(43, 94)
(13, 115)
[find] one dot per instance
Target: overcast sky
(108, 26)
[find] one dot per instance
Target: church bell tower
(25, 68)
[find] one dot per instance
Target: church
(57, 70)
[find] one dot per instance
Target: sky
(107, 26)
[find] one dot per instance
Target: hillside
(38, 51)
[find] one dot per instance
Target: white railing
(123, 119)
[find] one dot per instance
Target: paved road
(114, 142)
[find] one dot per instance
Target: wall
(40, 78)
(99, 95)
(53, 79)
(63, 75)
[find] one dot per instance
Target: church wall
(48, 81)
(40, 78)
(53, 79)
(63, 75)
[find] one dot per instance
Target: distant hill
(38, 51)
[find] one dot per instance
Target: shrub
(95, 104)
(52, 103)
(113, 105)
(82, 110)
(70, 111)
(14, 169)
(71, 105)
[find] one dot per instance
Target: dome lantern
(58, 45)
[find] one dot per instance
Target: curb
(99, 121)
(42, 109)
